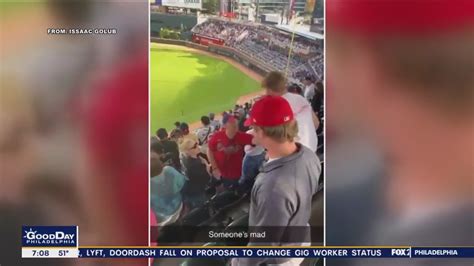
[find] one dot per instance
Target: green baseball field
(186, 85)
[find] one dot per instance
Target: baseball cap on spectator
(270, 111)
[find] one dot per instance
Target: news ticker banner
(248, 252)
(62, 242)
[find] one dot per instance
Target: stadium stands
(269, 45)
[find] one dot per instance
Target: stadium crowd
(269, 45)
(222, 152)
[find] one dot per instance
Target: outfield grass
(186, 85)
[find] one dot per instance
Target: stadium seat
(224, 199)
(197, 216)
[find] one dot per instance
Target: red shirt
(229, 153)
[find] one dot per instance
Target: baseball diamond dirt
(187, 83)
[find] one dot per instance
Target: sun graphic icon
(29, 232)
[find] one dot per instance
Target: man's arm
(212, 161)
(246, 139)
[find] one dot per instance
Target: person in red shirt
(226, 152)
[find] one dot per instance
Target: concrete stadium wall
(238, 56)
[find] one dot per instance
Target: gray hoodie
(281, 201)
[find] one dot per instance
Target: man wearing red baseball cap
(281, 196)
(226, 152)
(401, 75)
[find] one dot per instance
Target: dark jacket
(197, 174)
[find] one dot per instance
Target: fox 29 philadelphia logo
(49, 236)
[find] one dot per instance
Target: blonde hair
(186, 144)
(281, 133)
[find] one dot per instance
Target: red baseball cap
(270, 111)
(405, 17)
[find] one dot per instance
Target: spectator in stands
(176, 135)
(247, 107)
(215, 124)
(309, 89)
(165, 191)
(275, 84)
(268, 45)
(154, 139)
(197, 171)
(253, 160)
(170, 148)
(240, 115)
(157, 148)
(318, 98)
(281, 196)
(226, 152)
(177, 124)
(184, 127)
(224, 117)
(204, 133)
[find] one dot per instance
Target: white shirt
(304, 117)
(215, 124)
(309, 92)
(203, 134)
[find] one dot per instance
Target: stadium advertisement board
(193, 4)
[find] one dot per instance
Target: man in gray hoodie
(281, 197)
